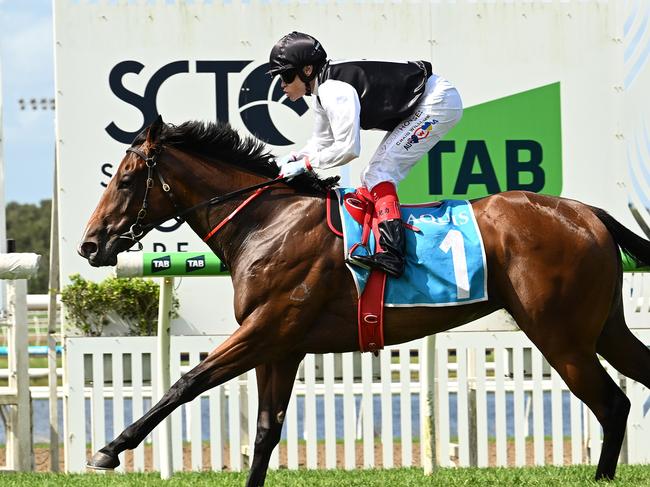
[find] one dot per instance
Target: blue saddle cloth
(445, 261)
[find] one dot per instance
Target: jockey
(416, 107)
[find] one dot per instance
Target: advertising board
(552, 92)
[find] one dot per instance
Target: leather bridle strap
(137, 231)
(212, 232)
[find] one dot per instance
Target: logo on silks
(195, 263)
(160, 264)
(422, 132)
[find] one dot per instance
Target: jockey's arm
(336, 137)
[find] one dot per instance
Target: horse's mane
(219, 141)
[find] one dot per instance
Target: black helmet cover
(294, 51)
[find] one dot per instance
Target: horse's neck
(201, 181)
(262, 225)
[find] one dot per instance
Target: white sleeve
(321, 135)
(336, 137)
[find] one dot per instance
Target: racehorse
(554, 264)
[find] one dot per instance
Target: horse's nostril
(87, 249)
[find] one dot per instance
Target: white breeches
(437, 112)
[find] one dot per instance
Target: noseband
(137, 230)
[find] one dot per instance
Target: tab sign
(161, 263)
(195, 263)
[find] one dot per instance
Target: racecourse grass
(627, 475)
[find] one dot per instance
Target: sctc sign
(257, 91)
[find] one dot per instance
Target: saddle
(445, 261)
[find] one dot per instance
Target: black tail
(635, 247)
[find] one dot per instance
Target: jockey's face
(296, 88)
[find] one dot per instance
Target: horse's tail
(635, 247)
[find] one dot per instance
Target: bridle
(137, 230)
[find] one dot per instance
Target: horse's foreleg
(240, 353)
(274, 382)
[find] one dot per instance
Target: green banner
(158, 264)
(510, 143)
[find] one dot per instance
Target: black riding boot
(393, 243)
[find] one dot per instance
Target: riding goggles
(288, 75)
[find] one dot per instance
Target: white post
(471, 385)
(428, 406)
(19, 428)
(163, 366)
(53, 290)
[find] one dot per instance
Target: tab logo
(161, 264)
(195, 263)
(511, 143)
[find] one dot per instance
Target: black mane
(220, 141)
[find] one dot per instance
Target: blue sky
(27, 70)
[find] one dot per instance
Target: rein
(137, 230)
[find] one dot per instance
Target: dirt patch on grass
(42, 456)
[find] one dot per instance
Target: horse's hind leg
(274, 384)
(571, 351)
(588, 380)
(618, 345)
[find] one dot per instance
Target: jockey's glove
(292, 165)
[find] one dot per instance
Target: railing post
(428, 405)
(52, 330)
(163, 371)
(19, 431)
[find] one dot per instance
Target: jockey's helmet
(293, 52)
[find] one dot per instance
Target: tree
(29, 226)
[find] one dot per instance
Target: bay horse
(554, 264)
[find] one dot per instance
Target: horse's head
(133, 199)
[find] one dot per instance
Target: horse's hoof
(103, 461)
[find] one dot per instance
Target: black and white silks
(383, 95)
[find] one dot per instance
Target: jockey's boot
(391, 233)
(391, 259)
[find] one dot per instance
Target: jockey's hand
(293, 165)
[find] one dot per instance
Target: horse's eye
(125, 182)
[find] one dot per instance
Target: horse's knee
(615, 417)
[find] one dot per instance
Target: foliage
(29, 226)
(133, 302)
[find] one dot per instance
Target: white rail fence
(498, 404)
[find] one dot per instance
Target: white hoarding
(117, 65)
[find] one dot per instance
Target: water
(41, 432)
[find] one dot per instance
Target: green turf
(540, 476)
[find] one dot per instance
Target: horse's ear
(153, 134)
